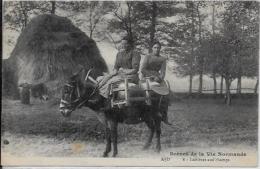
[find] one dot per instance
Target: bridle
(72, 88)
(80, 100)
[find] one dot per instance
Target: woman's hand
(156, 79)
(126, 71)
(121, 70)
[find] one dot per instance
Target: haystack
(50, 49)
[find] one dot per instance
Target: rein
(93, 92)
(64, 102)
(80, 100)
(86, 99)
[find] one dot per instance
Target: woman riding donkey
(77, 92)
(126, 66)
(153, 68)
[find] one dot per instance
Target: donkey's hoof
(158, 150)
(114, 154)
(105, 154)
(145, 147)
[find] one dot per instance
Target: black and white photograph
(130, 83)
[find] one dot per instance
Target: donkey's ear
(73, 77)
(78, 71)
(25, 85)
(105, 73)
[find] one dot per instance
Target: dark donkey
(82, 90)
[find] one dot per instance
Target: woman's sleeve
(116, 66)
(163, 70)
(136, 61)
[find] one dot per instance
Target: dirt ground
(200, 124)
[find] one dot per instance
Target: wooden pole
(25, 95)
(126, 92)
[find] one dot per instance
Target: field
(39, 129)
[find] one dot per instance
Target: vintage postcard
(130, 83)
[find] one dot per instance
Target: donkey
(82, 90)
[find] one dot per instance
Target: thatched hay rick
(49, 50)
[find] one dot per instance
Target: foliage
(240, 40)
(17, 14)
(200, 38)
(141, 22)
(88, 15)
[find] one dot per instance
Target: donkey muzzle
(65, 112)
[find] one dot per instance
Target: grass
(196, 122)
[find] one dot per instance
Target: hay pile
(50, 49)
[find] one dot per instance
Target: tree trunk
(129, 20)
(221, 85)
(190, 85)
(201, 57)
(192, 50)
(213, 35)
(24, 13)
(239, 85)
(228, 95)
(90, 23)
(53, 7)
(90, 34)
(153, 25)
(200, 82)
(213, 19)
(256, 86)
(15, 92)
(215, 83)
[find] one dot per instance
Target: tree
(141, 21)
(88, 15)
(17, 13)
(238, 47)
(213, 52)
(249, 37)
(53, 7)
(200, 54)
(125, 21)
(189, 37)
(213, 41)
(150, 24)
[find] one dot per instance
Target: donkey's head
(76, 91)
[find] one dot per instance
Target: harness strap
(97, 86)
(69, 85)
(64, 101)
(78, 91)
(84, 100)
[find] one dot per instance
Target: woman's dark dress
(126, 61)
(153, 66)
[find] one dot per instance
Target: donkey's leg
(150, 124)
(158, 135)
(108, 140)
(114, 137)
